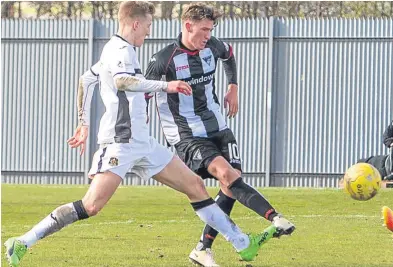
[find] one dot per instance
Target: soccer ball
(362, 181)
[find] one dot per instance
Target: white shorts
(144, 159)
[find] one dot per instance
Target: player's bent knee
(223, 171)
(227, 176)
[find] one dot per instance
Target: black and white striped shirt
(197, 115)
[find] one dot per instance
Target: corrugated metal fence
(315, 95)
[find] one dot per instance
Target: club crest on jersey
(208, 59)
(120, 64)
(113, 162)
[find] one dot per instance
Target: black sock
(201, 204)
(209, 234)
(80, 210)
(252, 199)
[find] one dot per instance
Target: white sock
(59, 218)
(217, 219)
(29, 239)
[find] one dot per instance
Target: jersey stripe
(123, 121)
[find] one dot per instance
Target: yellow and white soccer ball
(362, 181)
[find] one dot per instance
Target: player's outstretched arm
(87, 83)
(135, 84)
(126, 77)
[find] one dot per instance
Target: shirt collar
(118, 36)
(184, 48)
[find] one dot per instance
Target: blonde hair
(132, 9)
(200, 11)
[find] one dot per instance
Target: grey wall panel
(333, 28)
(164, 29)
(306, 180)
(42, 178)
(331, 117)
(44, 29)
(333, 98)
(39, 109)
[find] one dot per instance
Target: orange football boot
(387, 218)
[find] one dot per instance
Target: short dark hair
(200, 11)
(132, 9)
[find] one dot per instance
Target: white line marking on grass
(148, 223)
(351, 216)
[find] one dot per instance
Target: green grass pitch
(155, 226)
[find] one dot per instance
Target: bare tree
(255, 9)
(69, 9)
(231, 9)
(111, 9)
(7, 9)
(167, 9)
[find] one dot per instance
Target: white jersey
(125, 115)
(125, 144)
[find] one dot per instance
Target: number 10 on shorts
(233, 152)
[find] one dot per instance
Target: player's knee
(227, 176)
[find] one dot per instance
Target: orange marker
(387, 218)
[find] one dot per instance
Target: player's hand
(179, 87)
(231, 101)
(79, 138)
(147, 118)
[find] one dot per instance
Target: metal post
(268, 118)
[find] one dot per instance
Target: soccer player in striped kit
(194, 124)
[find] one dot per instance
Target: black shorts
(199, 152)
(379, 162)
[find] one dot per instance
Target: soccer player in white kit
(125, 144)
